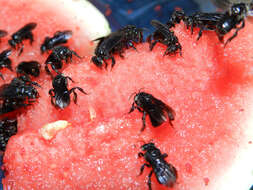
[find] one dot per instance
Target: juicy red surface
(206, 87)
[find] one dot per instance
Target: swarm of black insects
(221, 23)
(8, 128)
(20, 92)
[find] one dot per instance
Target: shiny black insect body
(29, 68)
(19, 93)
(5, 61)
(166, 174)
(158, 111)
(56, 58)
(232, 19)
(60, 94)
(60, 37)
(221, 23)
(176, 18)
(164, 35)
(203, 21)
(8, 128)
(115, 43)
(25, 33)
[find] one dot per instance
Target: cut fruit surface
(209, 88)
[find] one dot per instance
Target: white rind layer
(239, 175)
(80, 11)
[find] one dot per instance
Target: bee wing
(159, 112)
(113, 42)
(164, 29)
(99, 39)
(66, 33)
(62, 100)
(157, 117)
(27, 28)
(166, 174)
(214, 17)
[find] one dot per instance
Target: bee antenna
(141, 89)
(132, 95)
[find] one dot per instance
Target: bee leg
(1, 75)
(200, 33)
(72, 90)
(21, 49)
(30, 37)
(69, 78)
(74, 53)
(148, 39)
(149, 180)
(165, 155)
(131, 45)
(51, 93)
(140, 154)
(132, 108)
(142, 168)
(53, 66)
(144, 120)
(220, 36)
(113, 61)
(152, 45)
(106, 64)
(235, 34)
(192, 28)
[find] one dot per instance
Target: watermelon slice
(94, 144)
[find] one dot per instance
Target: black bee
(156, 109)
(60, 94)
(166, 174)
(29, 68)
(231, 19)
(164, 35)
(5, 61)
(176, 18)
(3, 33)
(59, 54)
(60, 37)
(8, 128)
(22, 34)
(20, 92)
(115, 43)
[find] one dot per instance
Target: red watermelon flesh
(209, 88)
